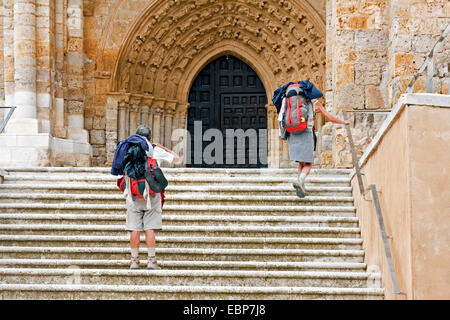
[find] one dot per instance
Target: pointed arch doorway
(228, 98)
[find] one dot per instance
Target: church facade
(84, 74)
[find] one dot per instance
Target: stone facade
(85, 73)
(374, 48)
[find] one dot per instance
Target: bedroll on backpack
(296, 109)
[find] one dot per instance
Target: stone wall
(413, 200)
(361, 53)
(374, 48)
(35, 61)
(141, 58)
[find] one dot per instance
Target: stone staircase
(227, 234)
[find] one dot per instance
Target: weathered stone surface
(82, 52)
(97, 137)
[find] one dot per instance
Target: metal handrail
(354, 158)
(429, 65)
(377, 205)
(8, 116)
(387, 249)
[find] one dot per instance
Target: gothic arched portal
(227, 118)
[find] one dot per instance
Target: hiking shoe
(134, 263)
(153, 264)
(300, 189)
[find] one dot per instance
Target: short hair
(145, 131)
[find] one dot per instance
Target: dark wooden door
(228, 95)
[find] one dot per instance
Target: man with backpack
(144, 206)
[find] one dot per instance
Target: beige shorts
(141, 218)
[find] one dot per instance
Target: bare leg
(151, 243)
(135, 239)
(150, 238)
(303, 170)
(306, 167)
(300, 168)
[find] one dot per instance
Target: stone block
(401, 43)
(75, 93)
(403, 63)
(345, 74)
(343, 38)
(349, 96)
(22, 125)
(376, 98)
(423, 43)
(97, 137)
(82, 160)
(75, 45)
(75, 107)
(99, 123)
(374, 38)
(367, 74)
(38, 140)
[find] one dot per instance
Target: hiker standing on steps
(139, 216)
(298, 100)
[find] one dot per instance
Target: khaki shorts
(141, 218)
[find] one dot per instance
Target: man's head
(144, 131)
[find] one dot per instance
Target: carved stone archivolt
(171, 41)
(170, 37)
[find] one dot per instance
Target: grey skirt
(301, 146)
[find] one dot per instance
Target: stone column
(122, 119)
(179, 134)
(168, 123)
(75, 66)
(133, 120)
(8, 51)
(145, 109)
(59, 105)
(147, 112)
(156, 130)
(25, 117)
(112, 116)
(272, 137)
(45, 57)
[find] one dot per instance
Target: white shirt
(159, 154)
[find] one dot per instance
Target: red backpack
(296, 109)
(138, 185)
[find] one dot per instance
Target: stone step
(178, 171)
(347, 211)
(178, 199)
(211, 189)
(186, 265)
(188, 277)
(193, 254)
(180, 220)
(185, 242)
(181, 179)
(193, 230)
(76, 292)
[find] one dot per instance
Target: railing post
(8, 116)
(430, 74)
(355, 159)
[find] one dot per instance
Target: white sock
(135, 252)
(302, 177)
(151, 252)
